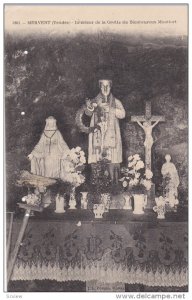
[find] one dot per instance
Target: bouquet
(135, 177)
(32, 199)
(74, 165)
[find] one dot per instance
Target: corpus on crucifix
(148, 122)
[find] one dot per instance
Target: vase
(139, 204)
(84, 200)
(98, 210)
(72, 200)
(127, 199)
(160, 207)
(160, 212)
(105, 200)
(60, 201)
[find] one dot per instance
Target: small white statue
(84, 200)
(47, 157)
(127, 199)
(59, 204)
(171, 181)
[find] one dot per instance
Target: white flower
(82, 153)
(137, 175)
(125, 184)
(147, 184)
(148, 174)
(122, 179)
(130, 158)
(131, 172)
(75, 160)
(78, 149)
(131, 164)
(82, 178)
(72, 153)
(136, 157)
(155, 208)
(69, 176)
(83, 160)
(139, 165)
(160, 201)
(133, 182)
(69, 167)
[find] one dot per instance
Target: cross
(148, 122)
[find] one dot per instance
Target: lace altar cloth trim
(154, 255)
(178, 279)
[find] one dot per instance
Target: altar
(107, 230)
(118, 248)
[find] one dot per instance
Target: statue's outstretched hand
(30, 156)
(88, 102)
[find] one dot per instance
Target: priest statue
(105, 140)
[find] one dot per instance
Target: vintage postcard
(96, 134)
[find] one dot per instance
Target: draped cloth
(49, 154)
(112, 137)
(149, 253)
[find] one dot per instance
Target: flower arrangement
(160, 207)
(74, 165)
(32, 199)
(135, 177)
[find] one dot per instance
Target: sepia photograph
(96, 148)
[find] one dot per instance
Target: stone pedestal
(151, 197)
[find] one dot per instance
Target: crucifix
(148, 122)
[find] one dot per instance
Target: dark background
(56, 75)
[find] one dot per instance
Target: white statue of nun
(169, 171)
(48, 155)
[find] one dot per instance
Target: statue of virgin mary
(47, 157)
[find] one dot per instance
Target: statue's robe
(169, 170)
(112, 139)
(49, 154)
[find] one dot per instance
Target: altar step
(114, 215)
